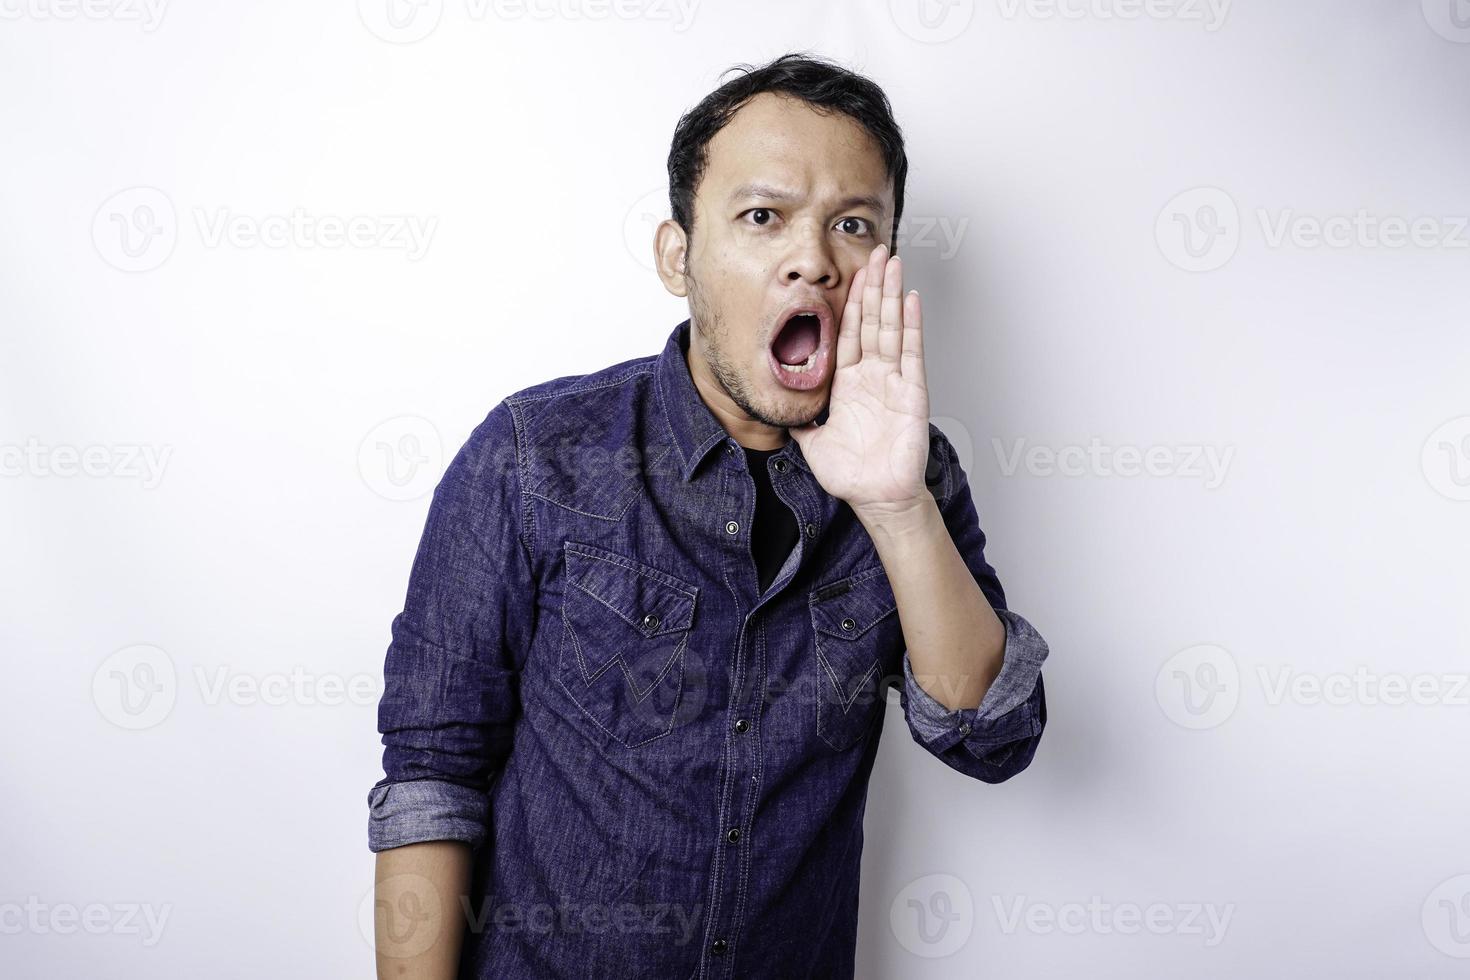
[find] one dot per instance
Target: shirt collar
(695, 429)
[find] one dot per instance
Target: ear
(670, 256)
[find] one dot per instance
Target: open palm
(872, 450)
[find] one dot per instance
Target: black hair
(819, 82)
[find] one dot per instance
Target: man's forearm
(418, 907)
(956, 643)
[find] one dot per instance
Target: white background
(1064, 308)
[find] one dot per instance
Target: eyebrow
(769, 193)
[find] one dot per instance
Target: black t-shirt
(775, 532)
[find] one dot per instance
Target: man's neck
(750, 433)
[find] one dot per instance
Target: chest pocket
(625, 628)
(857, 640)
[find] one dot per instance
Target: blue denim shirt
(661, 769)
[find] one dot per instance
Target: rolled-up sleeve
(999, 737)
(451, 673)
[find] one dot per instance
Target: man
(634, 696)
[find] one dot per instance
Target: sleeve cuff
(413, 811)
(1002, 715)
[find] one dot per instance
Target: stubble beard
(713, 330)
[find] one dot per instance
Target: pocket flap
(649, 600)
(859, 600)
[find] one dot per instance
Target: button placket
(732, 866)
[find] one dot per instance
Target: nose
(810, 258)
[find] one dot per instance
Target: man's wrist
(893, 521)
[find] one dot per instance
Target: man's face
(790, 206)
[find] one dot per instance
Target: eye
(866, 228)
(766, 213)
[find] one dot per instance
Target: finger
(850, 330)
(890, 317)
(912, 363)
(873, 299)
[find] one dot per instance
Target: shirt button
(811, 529)
(650, 622)
(780, 466)
(733, 835)
(718, 947)
(848, 624)
(742, 726)
(731, 527)
(965, 728)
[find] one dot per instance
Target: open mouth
(798, 355)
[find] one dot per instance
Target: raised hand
(874, 446)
